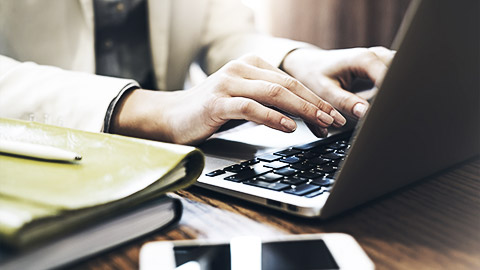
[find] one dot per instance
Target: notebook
(41, 200)
(98, 237)
(424, 119)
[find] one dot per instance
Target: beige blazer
(47, 58)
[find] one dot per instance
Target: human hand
(329, 73)
(242, 89)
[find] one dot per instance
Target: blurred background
(331, 23)
(328, 24)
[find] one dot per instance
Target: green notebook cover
(41, 199)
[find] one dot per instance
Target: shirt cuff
(113, 104)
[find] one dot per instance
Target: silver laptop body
(424, 119)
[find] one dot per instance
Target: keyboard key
(250, 162)
(267, 185)
(302, 166)
(269, 177)
(287, 152)
(291, 160)
(333, 156)
(318, 161)
(275, 165)
(307, 155)
(268, 157)
(234, 168)
(307, 146)
(302, 189)
(286, 171)
(310, 175)
(323, 150)
(215, 173)
(336, 162)
(338, 145)
(294, 180)
(248, 174)
(322, 181)
(327, 168)
(315, 194)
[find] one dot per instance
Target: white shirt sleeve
(56, 96)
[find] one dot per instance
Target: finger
(347, 102)
(265, 72)
(364, 63)
(273, 94)
(297, 88)
(384, 54)
(374, 68)
(373, 63)
(318, 131)
(243, 108)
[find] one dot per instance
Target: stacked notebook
(114, 194)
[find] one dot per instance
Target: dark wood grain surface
(433, 224)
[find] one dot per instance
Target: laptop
(423, 119)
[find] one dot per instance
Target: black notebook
(103, 235)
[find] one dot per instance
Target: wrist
(295, 59)
(133, 115)
(285, 65)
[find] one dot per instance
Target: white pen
(37, 151)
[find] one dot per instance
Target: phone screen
(305, 254)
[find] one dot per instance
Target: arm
(242, 89)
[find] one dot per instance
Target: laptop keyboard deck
(303, 170)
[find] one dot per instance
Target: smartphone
(308, 251)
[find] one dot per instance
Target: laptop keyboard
(303, 170)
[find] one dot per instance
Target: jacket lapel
(88, 13)
(159, 12)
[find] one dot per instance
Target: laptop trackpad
(249, 139)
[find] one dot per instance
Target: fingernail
(339, 119)
(288, 124)
(325, 118)
(359, 110)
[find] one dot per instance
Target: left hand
(246, 88)
(329, 73)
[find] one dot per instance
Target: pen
(37, 151)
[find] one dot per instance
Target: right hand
(242, 89)
(330, 73)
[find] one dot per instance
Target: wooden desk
(434, 224)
